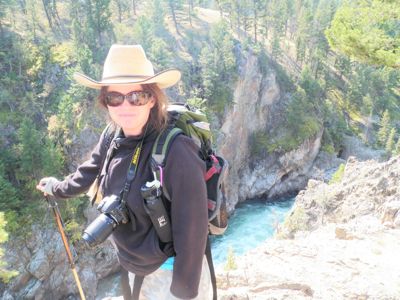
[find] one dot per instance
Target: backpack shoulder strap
(160, 152)
(163, 143)
(110, 133)
(159, 155)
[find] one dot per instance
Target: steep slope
(343, 242)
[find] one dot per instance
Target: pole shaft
(59, 222)
(78, 283)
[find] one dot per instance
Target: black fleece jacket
(139, 251)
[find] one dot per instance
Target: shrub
(338, 175)
(296, 221)
(230, 260)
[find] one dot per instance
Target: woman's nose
(126, 103)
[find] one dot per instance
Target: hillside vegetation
(44, 42)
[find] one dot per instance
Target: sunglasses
(136, 98)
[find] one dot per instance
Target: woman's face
(129, 117)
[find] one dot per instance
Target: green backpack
(186, 120)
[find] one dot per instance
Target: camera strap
(131, 174)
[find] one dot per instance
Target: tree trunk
(134, 7)
(57, 20)
(33, 24)
(219, 8)
(48, 15)
(22, 3)
(1, 30)
(119, 11)
(171, 6)
(255, 20)
(190, 12)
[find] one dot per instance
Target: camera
(113, 213)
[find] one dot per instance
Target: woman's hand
(46, 185)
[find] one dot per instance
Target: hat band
(126, 76)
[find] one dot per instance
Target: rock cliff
(44, 271)
(340, 241)
(259, 103)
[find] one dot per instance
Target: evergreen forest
(338, 60)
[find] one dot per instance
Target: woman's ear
(152, 102)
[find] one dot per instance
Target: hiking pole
(54, 206)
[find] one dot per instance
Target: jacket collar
(149, 137)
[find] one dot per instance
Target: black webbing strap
(110, 146)
(109, 137)
(211, 267)
(131, 174)
(126, 289)
(137, 285)
(127, 292)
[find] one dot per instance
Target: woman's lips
(126, 115)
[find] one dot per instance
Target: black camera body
(113, 213)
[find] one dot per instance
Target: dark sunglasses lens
(138, 98)
(113, 99)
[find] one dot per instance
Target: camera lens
(99, 230)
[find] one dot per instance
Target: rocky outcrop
(340, 241)
(259, 103)
(353, 146)
(43, 268)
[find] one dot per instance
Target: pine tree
(157, 16)
(397, 147)
(5, 275)
(92, 31)
(390, 141)
(159, 54)
(384, 128)
(142, 32)
(366, 31)
(173, 6)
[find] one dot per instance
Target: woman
(132, 94)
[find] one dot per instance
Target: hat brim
(163, 79)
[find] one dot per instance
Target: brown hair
(158, 115)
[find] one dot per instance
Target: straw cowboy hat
(127, 64)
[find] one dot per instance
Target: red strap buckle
(211, 205)
(216, 168)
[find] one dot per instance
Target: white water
(251, 224)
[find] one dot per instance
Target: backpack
(186, 120)
(183, 119)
